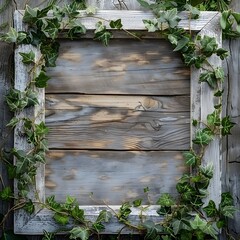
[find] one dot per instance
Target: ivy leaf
(213, 119)
(210, 78)
(50, 27)
(208, 45)
(31, 98)
(29, 207)
(61, 219)
(28, 57)
(78, 213)
(210, 230)
(236, 16)
(228, 211)
(198, 223)
(207, 171)
(104, 216)
(153, 230)
(194, 122)
(166, 200)
(226, 200)
(77, 30)
(11, 36)
(124, 211)
(219, 73)
(80, 232)
(40, 157)
(13, 122)
(11, 170)
(179, 225)
(211, 209)
(137, 202)
(98, 226)
(6, 194)
(218, 93)
(51, 58)
(102, 34)
(223, 19)
(40, 130)
(190, 158)
(116, 24)
(227, 125)
(171, 17)
(151, 25)
(41, 80)
(222, 53)
(144, 4)
(30, 15)
(193, 10)
(181, 43)
(189, 59)
(203, 137)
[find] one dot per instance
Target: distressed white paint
(202, 104)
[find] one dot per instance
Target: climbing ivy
(182, 218)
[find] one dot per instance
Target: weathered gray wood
(118, 122)
(203, 101)
(124, 67)
(205, 97)
(6, 70)
(233, 141)
(36, 113)
(112, 176)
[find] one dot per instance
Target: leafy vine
(182, 218)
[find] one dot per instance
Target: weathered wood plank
(125, 67)
(112, 176)
(127, 125)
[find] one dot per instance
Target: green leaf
(194, 122)
(32, 98)
(226, 199)
(77, 30)
(207, 171)
(223, 20)
(102, 34)
(166, 200)
(219, 73)
(53, 204)
(210, 78)
(222, 53)
(50, 28)
(70, 200)
(80, 232)
(236, 16)
(193, 10)
(151, 25)
(181, 43)
(124, 211)
(173, 39)
(13, 122)
(171, 17)
(210, 230)
(203, 137)
(41, 129)
(104, 216)
(30, 15)
(61, 219)
(41, 80)
(78, 213)
(227, 126)
(11, 36)
(116, 24)
(98, 226)
(137, 202)
(218, 93)
(144, 4)
(153, 230)
(11, 170)
(228, 211)
(208, 45)
(179, 225)
(213, 119)
(198, 223)
(29, 207)
(191, 158)
(40, 157)
(6, 194)
(146, 189)
(28, 57)
(48, 235)
(211, 209)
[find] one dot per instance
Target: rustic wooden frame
(202, 103)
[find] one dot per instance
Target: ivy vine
(184, 217)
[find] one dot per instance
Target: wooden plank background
(231, 166)
(119, 119)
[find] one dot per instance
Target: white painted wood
(37, 113)
(202, 104)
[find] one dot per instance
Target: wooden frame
(202, 103)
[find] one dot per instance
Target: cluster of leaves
(69, 211)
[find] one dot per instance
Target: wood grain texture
(112, 176)
(125, 124)
(145, 67)
(233, 141)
